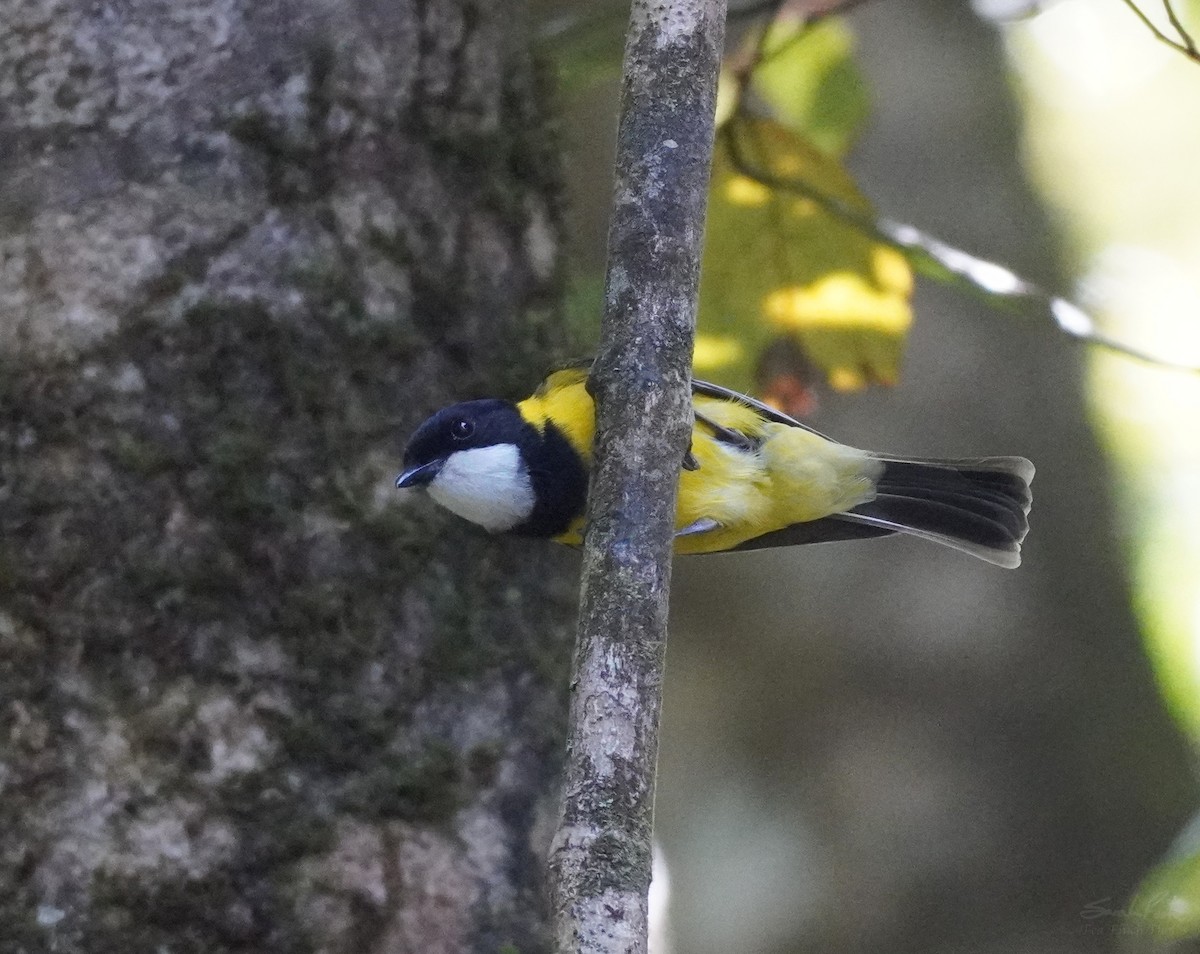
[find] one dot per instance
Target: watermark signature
(1139, 909)
(1137, 917)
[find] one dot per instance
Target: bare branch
(601, 857)
(745, 64)
(1186, 37)
(998, 285)
(769, 8)
(1187, 47)
(776, 7)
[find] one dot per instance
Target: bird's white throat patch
(489, 486)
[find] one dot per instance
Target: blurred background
(252, 700)
(889, 746)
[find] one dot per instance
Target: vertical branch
(641, 382)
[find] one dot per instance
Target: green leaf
(811, 84)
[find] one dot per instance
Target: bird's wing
(768, 412)
(565, 376)
(726, 435)
(576, 372)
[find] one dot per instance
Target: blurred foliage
(791, 302)
(793, 296)
(586, 47)
(1091, 139)
(807, 77)
(1105, 104)
(777, 265)
(1167, 905)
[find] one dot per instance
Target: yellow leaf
(713, 352)
(742, 190)
(777, 266)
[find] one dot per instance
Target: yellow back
(793, 476)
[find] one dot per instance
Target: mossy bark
(249, 699)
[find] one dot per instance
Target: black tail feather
(1008, 519)
(978, 506)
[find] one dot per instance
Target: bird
(753, 477)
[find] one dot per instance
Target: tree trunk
(250, 698)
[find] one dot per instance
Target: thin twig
(1187, 48)
(836, 10)
(775, 7)
(1188, 42)
(770, 7)
(998, 285)
(601, 857)
(760, 56)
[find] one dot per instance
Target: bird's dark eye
(461, 429)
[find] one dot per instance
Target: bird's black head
(460, 427)
(471, 457)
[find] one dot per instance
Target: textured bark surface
(251, 700)
(641, 380)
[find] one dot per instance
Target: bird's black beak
(419, 476)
